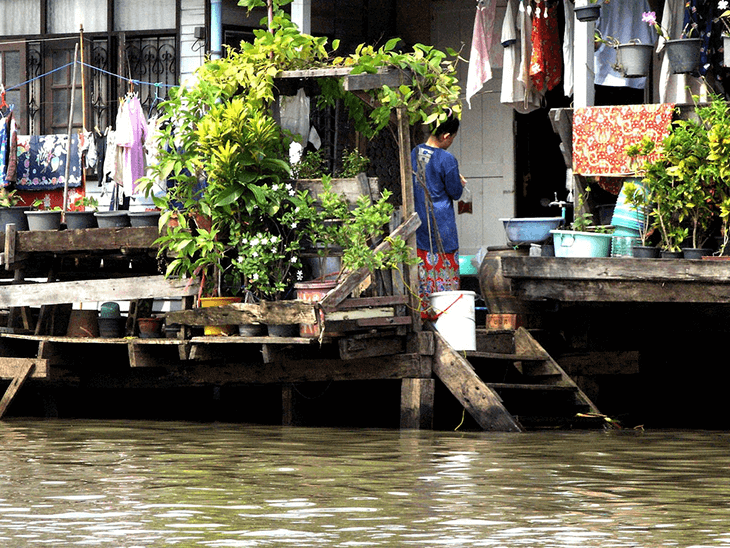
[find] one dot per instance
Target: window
(12, 73)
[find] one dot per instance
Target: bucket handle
(438, 315)
(567, 240)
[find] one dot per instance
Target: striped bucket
(625, 215)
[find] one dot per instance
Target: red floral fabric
(601, 135)
(546, 63)
(437, 272)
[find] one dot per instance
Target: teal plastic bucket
(581, 244)
(625, 215)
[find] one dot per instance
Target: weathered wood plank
(483, 404)
(398, 367)
(351, 189)
(621, 269)
(116, 289)
(416, 403)
(93, 239)
(392, 78)
(330, 301)
(360, 313)
(9, 367)
(267, 312)
(9, 249)
(23, 373)
(367, 302)
(368, 347)
(622, 291)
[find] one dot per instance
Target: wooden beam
(351, 189)
(267, 312)
(330, 301)
(355, 347)
(367, 302)
(9, 367)
(416, 403)
(97, 239)
(117, 289)
(482, 403)
(392, 78)
(23, 373)
(9, 250)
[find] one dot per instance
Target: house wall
(192, 51)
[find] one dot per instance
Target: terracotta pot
(149, 328)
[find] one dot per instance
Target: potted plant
(579, 242)
(10, 211)
(40, 218)
(590, 11)
(684, 52)
(81, 213)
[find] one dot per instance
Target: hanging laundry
(480, 69)
(516, 40)
(3, 151)
(131, 135)
(568, 44)
(42, 162)
(545, 62)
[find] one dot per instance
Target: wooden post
(70, 127)
(287, 405)
(416, 403)
(406, 181)
(23, 373)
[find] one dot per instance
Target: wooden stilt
(287, 405)
(416, 403)
(23, 373)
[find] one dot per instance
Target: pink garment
(480, 68)
(131, 135)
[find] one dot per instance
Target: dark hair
(450, 125)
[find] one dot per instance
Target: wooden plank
(9, 250)
(622, 291)
(116, 289)
(315, 370)
(367, 347)
(392, 78)
(421, 342)
(615, 268)
(9, 367)
(367, 302)
(351, 189)
(330, 301)
(361, 313)
(267, 312)
(482, 403)
(23, 373)
(416, 403)
(93, 239)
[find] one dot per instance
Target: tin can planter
(44, 220)
(634, 60)
(683, 54)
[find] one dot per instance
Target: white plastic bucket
(454, 311)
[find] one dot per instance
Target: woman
(436, 184)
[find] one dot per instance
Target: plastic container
(217, 330)
(532, 230)
(14, 215)
(581, 244)
(111, 328)
(112, 219)
(44, 219)
(454, 311)
(313, 292)
(144, 218)
(109, 310)
(79, 220)
(466, 267)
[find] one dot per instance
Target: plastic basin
(530, 230)
(569, 243)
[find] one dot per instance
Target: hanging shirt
(131, 135)
(516, 41)
(621, 19)
(545, 61)
(480, 68)
(568, 44)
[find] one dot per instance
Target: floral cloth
(436, 272)
(42, 162)
(601, 135)
(546, 62)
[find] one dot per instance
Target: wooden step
(501, 356)
(502, 341)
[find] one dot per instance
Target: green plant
(9, 198)
(40, 205)
(310, 166)
(582, 218)
(353, 163)
(83, 203)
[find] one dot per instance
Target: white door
(484, 145)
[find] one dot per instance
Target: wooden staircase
(511, 383)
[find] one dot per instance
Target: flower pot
(144, 218)
(78, 220)
(251, 330)
(634, 60)
(149, 328)
(587, 13)
(83, 323)
(683, 54)
(313, 292)
(695, 253)
(217, 330)
(44, 220)
(645, 252)
(14, 215)
(569, 243)
(111, 328)
(112, 219)
(666, 254)
(283, 330)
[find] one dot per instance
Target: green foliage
(311, 166)
(353, 163)
(581, 221)
(9, 198)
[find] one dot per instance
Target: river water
(140, 484)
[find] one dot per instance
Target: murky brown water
(98, 483)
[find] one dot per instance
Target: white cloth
(568, 43)
(480, 68)
(516, 40)
(621, 19)
(673, 87)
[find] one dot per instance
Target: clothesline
(126, 79)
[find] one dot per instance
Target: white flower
(240, 260)
(722, 5)
(255, 241)
(255, 277)
(294, 224)
(288, 186)
(300, 275)
(292, 193)
(296, 209)
(275, 188)
(254, 254)
(293, 260)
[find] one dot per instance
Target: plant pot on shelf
(666, 254)
(695, 253)
(591, 12)
(217, 330)
(313, 292)
(634, 60)
(149, 328)
(283, 330)
(83, 323)
(645, 252)
(14, 215)
(683, 54)
(144, 218)
(112, 219)
(79, 220)
(44, 219)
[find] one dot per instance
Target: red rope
(436, 317)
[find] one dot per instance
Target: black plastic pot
(587, 13)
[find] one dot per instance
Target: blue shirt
(444, 186)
